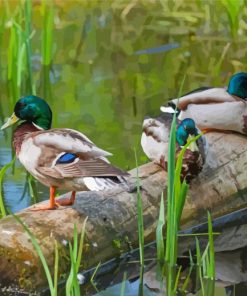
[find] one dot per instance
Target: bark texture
(112, 216)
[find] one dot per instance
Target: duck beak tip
(11, 120)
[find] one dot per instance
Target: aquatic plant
(176, 195)
(47, 11)
(76, 252)
(233, 10)
(3, 171)
(140, 229)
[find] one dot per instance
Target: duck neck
(21, 132)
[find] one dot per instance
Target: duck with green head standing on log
(60, 158)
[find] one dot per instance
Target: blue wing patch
(66, 158)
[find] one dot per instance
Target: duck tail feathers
(105, 183)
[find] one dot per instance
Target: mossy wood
(112, 216)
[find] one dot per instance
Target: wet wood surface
(112, 216)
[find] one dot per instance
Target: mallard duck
(155, 139)
(215, 108)
(59, 158)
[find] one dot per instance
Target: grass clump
(3, 171)
(76, 252)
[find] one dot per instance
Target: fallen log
(112, 216)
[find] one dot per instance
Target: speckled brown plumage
(21, 132)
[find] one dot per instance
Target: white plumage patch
(167, 109)
(153, 149)
(155, 139)
(29, 156)
(98, 184)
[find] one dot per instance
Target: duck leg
(55, 204)
(52, 204)
(67, 201)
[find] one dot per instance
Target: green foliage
(233, 8)
(3, 171)
(140, 228)
(159, 232)
(76, 250)
(206, 264)
(47, 33)
(52, 287)
(93, 276)
(72, 285)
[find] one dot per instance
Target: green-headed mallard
(59, 158)
(215, 108)
(155, 140)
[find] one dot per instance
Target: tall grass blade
(39, 252)
(56, 261)
(140, 227)
(27, 40)
(211, 248)
(48, 20)
(93, 277)
(3, 171)
(199, 276)
(69, 282)
(233, 8)
(177, 280)
(159, 232)
(123, 285)
(81, 243)
(182, 198)
(210, 259)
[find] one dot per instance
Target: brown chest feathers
(21, 133)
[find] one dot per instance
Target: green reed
(140, 228)
(3, 171)
(20, 63)
(76, 252)
(47, 32)
(159, 233)
(72, 285)
(48, 273)
(205, 273)
(233, 8)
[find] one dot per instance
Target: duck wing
(211, 95)
(82, 168)
(67, 153)
(68, 140)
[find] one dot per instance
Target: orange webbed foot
(43, 208)
(51, 206)
(66, 201)
(54, 204)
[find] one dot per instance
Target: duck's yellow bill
(13, 119)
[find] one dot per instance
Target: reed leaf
(140, 228)
(3, 171)
(159, 232)
(56, 262)
(39, 252)
(233, 8)
(47, 33)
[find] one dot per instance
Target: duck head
(33, 110)
(238, 85)
(186, 128)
